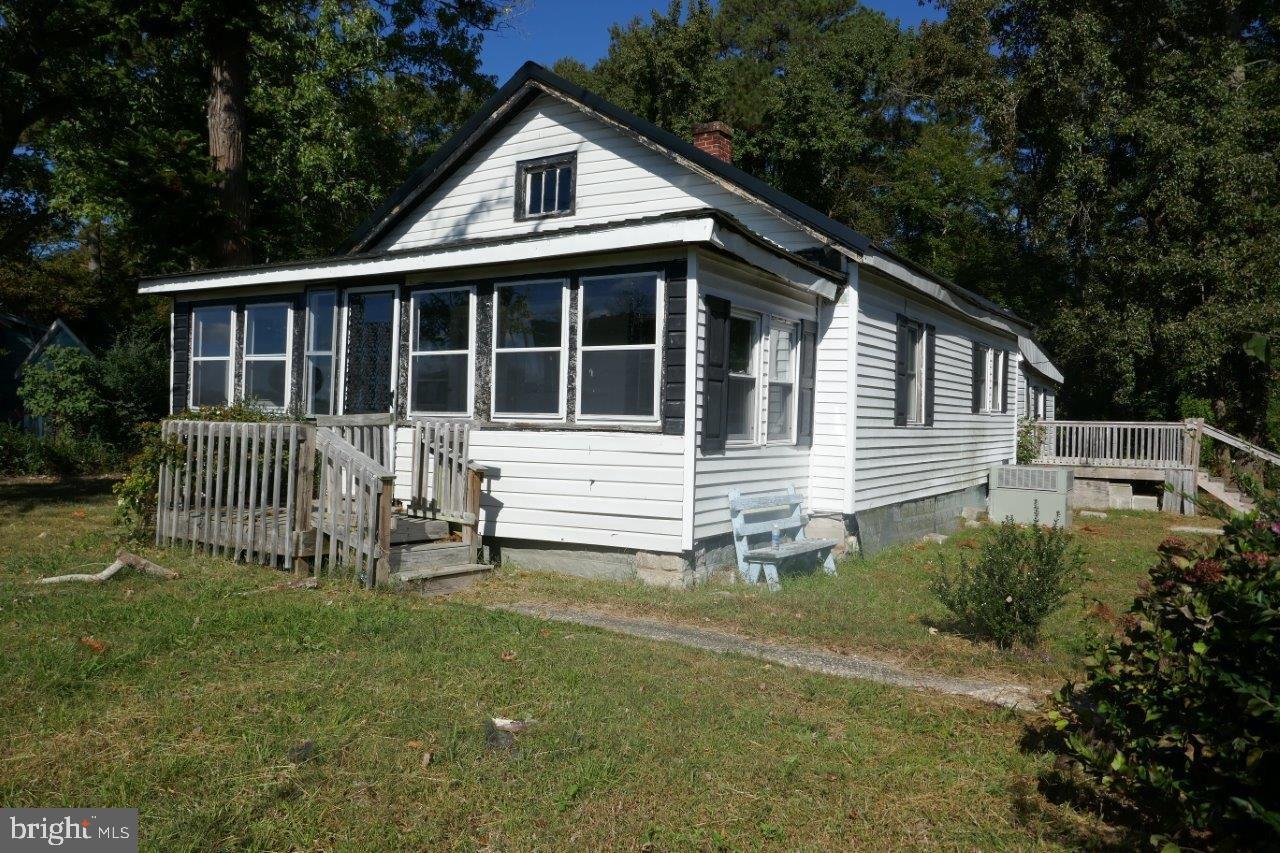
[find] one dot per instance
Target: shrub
(1178, 715)
(1022, 575)
(1030, 439)
(65, 388)
(58, 454)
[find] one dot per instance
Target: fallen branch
(123, 558)
(101, 576)
(145, 565)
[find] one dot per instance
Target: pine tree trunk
(229, 86)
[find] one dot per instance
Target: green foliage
(1177, 715)
(65, 388)
(25, 454)
(1021, 577)
(135, 377)
(1030, 441)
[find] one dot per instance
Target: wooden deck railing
(353, 510)
(370, 434)
(444, 484)
(1119, 444)
(236, 489)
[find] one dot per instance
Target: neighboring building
(23, 342)
(632, 326)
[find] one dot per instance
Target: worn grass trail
(192, 697)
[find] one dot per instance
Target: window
(996, 360)
(744, 333)
(618, 364)
(321, 317)
(211, 330)
(990, 369)
(912, 369)
(440, 352)
(784, 350)
(528, 350)
(266, 355)
(545, 187)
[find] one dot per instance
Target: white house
(632, 326)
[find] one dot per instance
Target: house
(1038, 383)
(631, 326)
(23, 342)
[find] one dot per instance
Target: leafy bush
(1022, 575)
(135, 378)
(1179, 714)
(1030, 439)
(65, 388)
(58, 454)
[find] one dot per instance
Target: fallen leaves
(508, 656)
(93, 644)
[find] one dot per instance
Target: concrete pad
(1148, 502)
(1207, 531)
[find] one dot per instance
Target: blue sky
(546, 30)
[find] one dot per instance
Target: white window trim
(229, 358)
(995, 365)
(658, 332)
(340, 405)
(245, 358)
(332, 352)
(796, 343)
(922, 373)
(757, 346)
(469, 352)
(563, 349)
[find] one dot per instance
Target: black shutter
(181, 356)
(673, 357)
(715, 376)
(929, 333)
(902, 381)
(808, 379)
(1004, 382)
(978, 373)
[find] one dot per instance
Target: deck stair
(1223, 490)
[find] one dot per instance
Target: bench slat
(791, 549)
(776, 499)
(755, 528)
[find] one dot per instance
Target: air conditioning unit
(1018, 491)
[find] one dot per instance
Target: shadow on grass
(26, 493)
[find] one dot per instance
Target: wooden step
(439, 581)
(1217, 486)
(405, 528)
(431, 555)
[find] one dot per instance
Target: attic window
(545, 187)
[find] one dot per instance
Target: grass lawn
(883, 606)
(185, 698)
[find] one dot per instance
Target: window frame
(229, 358)
(470, 351)
(797, 335)
(995, 373)
(659, 330)
(285, 357)
(332, 352)
(525, 168)
(921, 372)
(340, 388)
(757, 320)
(519, 417)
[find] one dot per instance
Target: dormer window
(545, 187)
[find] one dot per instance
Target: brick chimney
(715, 138)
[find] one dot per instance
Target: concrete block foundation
(908, 521)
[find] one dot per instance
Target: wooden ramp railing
(294, 494)
(1118, 444)
(236, 489)
(353, 510)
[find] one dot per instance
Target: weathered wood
(144, 565)
(101, 576)
(305, 453)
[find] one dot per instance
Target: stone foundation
(908, 521)
(594, 562)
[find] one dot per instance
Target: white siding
(618, 178)
(1024, 382)
(589, 488)
(896, 464)
(829, 474)
(752, 470)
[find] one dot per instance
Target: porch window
(545, 186)
(784, 340)
(211, 330)
(529, 344)
(321, 319)
(744, 377)
(440, 352)
(266, 355)
(618, 372)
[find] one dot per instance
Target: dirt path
(1016, 696)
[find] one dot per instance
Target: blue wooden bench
(752, 539)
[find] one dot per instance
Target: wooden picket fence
(307, 496)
